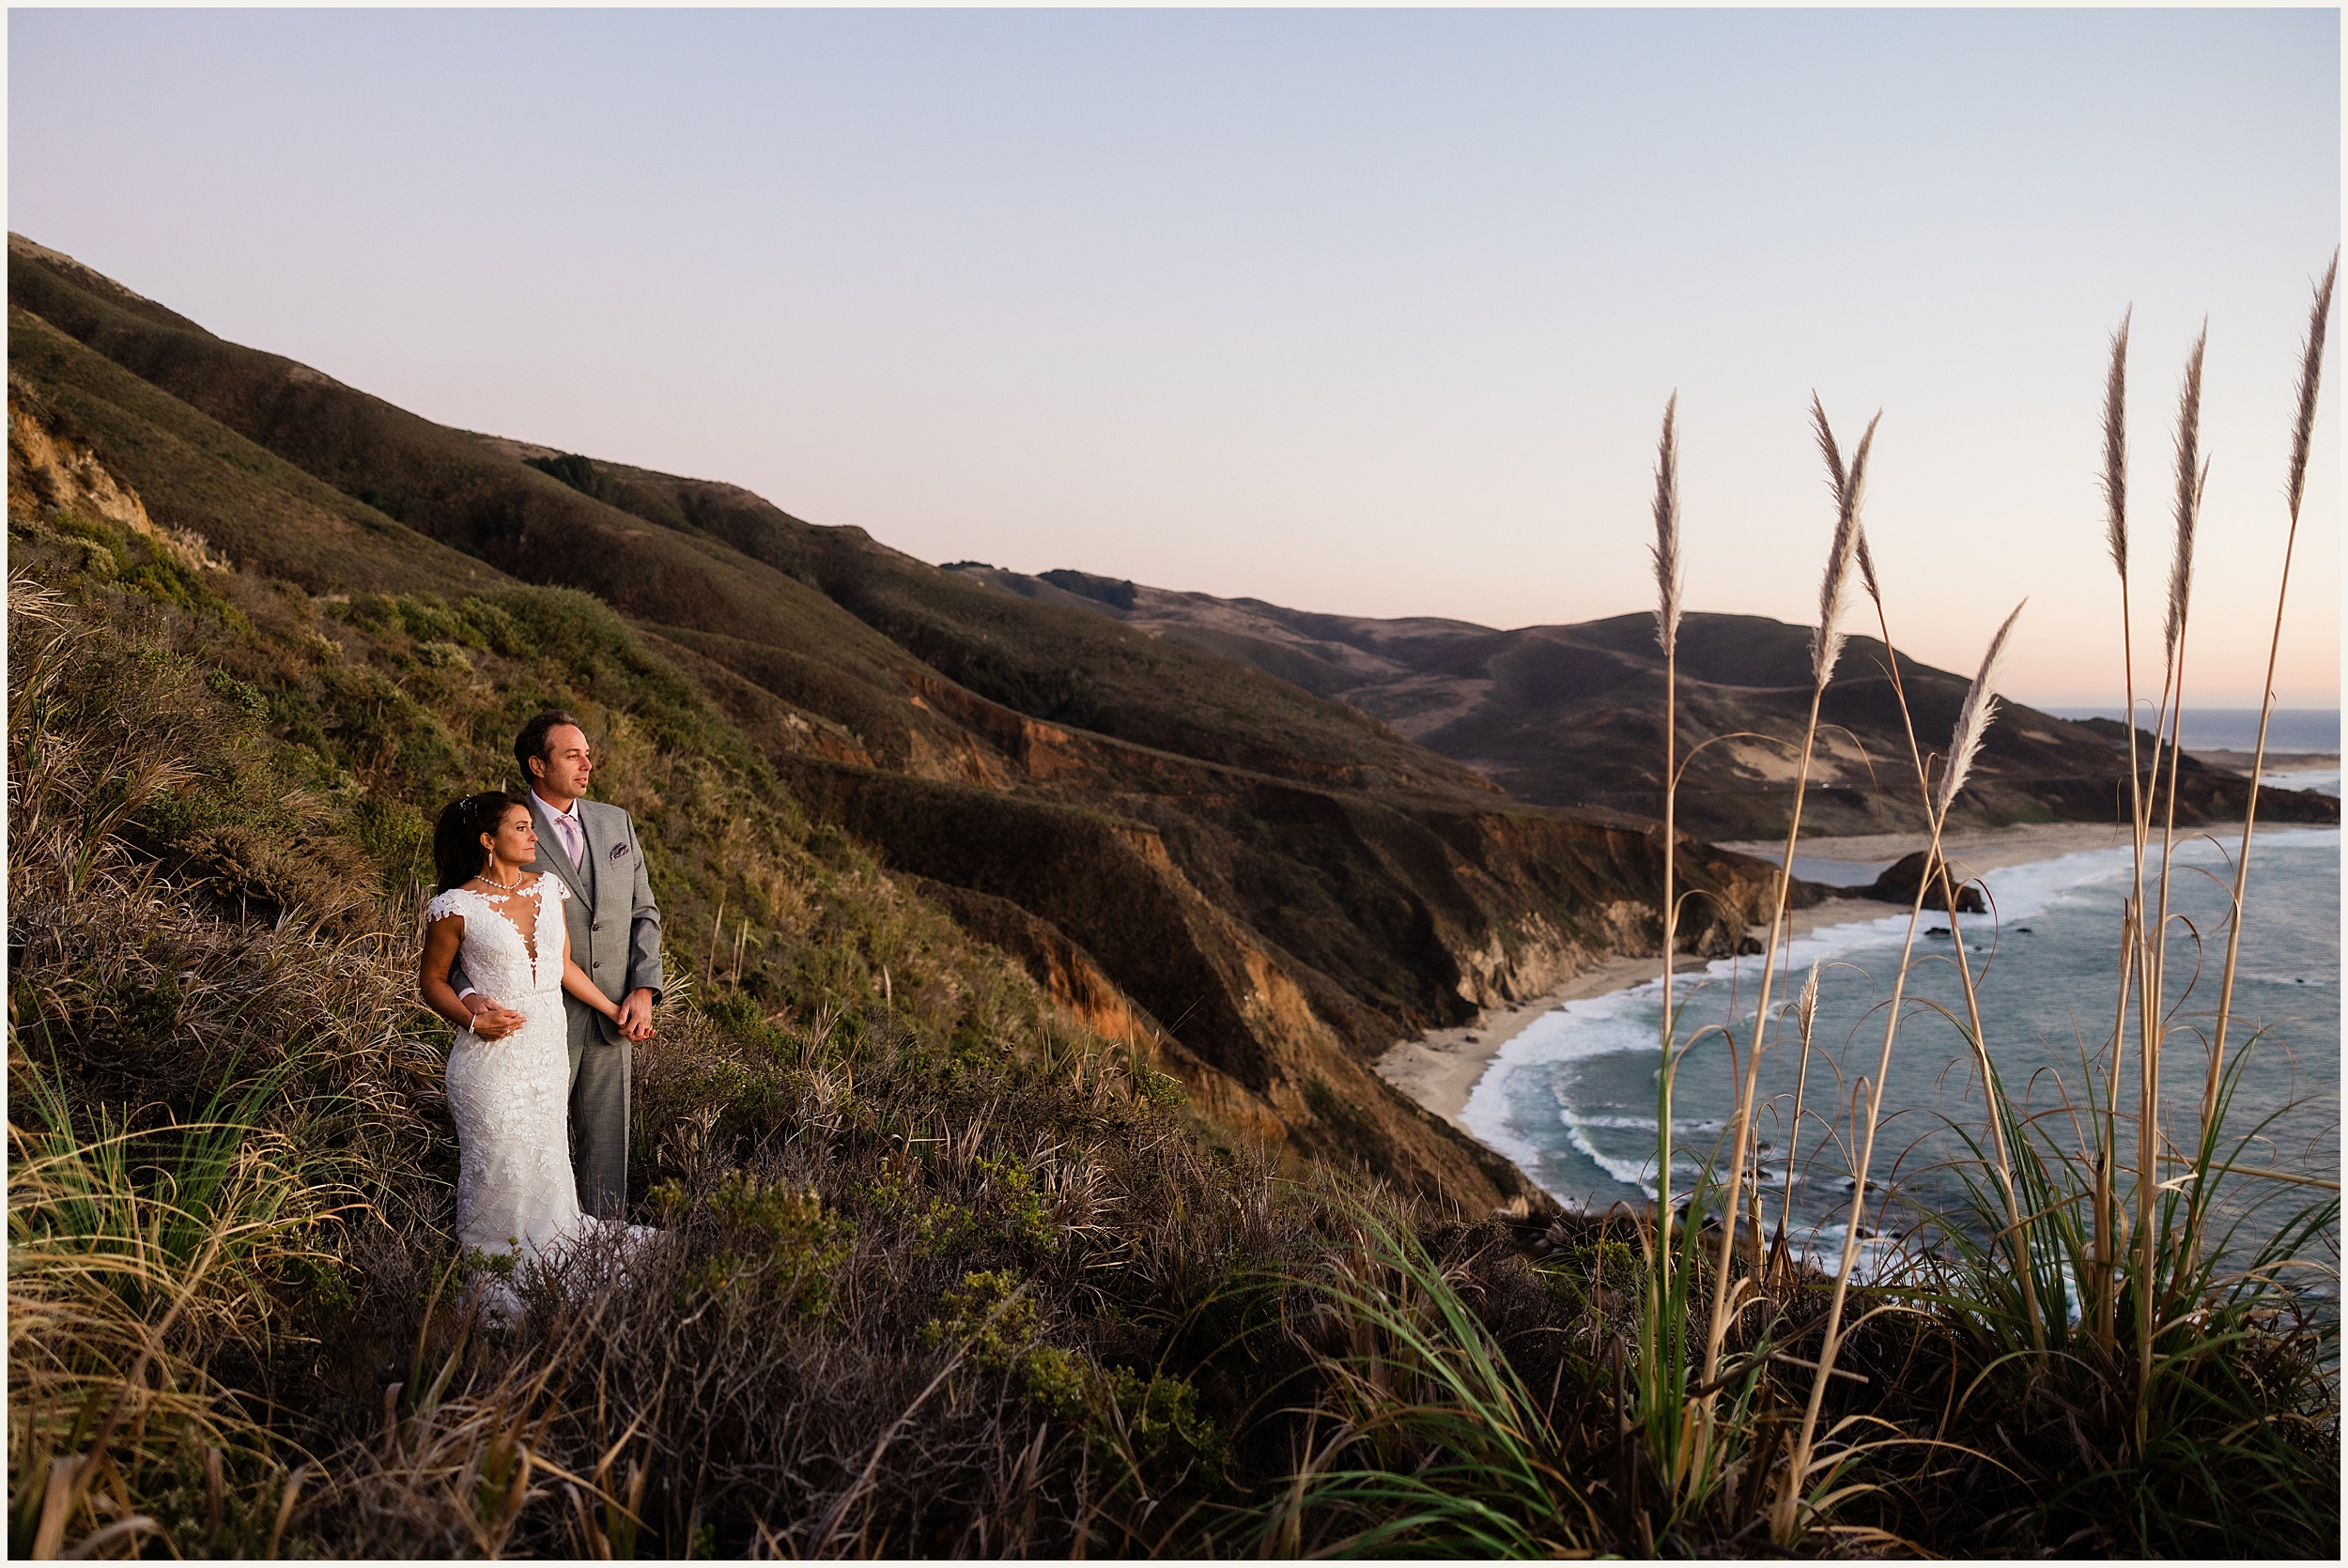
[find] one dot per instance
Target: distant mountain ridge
(1571, 716)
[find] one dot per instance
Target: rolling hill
(1572, 715)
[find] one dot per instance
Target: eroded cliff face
(1109, 914)
(52, 471)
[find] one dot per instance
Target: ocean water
(2237, 728)
(2324, 781)
(1571, 1099)
(1838, 873)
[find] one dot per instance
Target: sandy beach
(1440, 1068)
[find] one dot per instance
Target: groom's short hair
(531, 741)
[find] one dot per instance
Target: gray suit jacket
(614, 924)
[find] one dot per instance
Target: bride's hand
(492, 1021)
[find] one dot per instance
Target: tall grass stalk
(2192, 477)
(2302, 436)
(1788, 1513)
(1939, 867)
(1662, 1363)
(1826, 647)
(1667, 583)
(2115, 488)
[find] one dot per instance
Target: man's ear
(538, 769)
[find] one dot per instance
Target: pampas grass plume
(2311, 374)
(1849, 486)
(2116, 447)
(1972, 720)
(1666, 547)
(2192, 474)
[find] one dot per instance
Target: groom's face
(564, 774)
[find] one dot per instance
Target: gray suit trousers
(599, 1114)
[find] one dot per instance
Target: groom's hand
(636, 1014)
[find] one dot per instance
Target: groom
(615, 937)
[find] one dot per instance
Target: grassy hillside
(716, 558)
(196, 474)
(227, 1143)
(1274, 888)
(1571, 716)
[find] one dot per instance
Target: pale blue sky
(1370, 311)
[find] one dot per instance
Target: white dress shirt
(567, 828)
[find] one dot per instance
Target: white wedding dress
(510, 1097)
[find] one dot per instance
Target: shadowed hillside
(1572, 715)
(1273, 885)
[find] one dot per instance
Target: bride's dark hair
(457, 853)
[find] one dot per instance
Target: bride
(510, 1094)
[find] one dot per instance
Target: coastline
(2277, 761)
(1440, 1068)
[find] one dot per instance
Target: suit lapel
(550, 855)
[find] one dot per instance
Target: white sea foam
(2317, 978)
(1630, 1173)
(2324, 781)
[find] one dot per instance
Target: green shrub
(1060, 1380)
(780, 1242)
(1162, 1423)
(1018, 1209)
(991, 1318)
(242, 694)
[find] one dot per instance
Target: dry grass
(932, 1251)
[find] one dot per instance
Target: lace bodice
(513, 941)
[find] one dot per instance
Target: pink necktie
(569, 830)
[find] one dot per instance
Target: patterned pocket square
(618, 849)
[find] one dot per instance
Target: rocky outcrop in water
(1899, 882)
